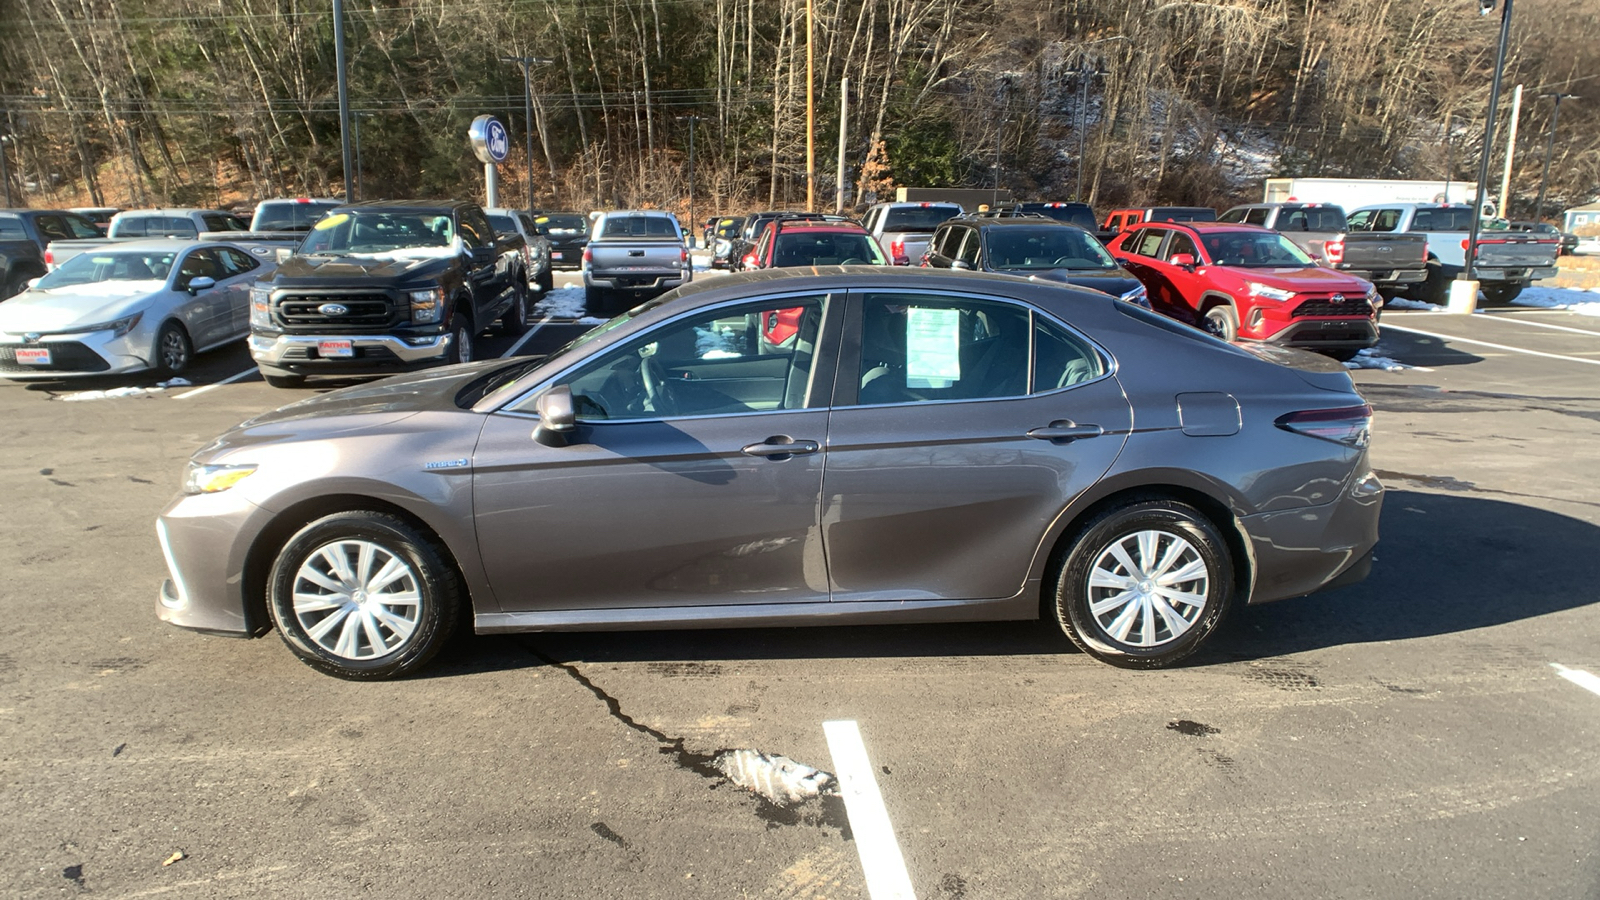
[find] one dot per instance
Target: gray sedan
(846, 447)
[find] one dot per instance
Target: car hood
(1313, 279)
(66, 308)
(386, 400)
(1115, 282)
(359, 267)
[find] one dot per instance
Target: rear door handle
(779, 447)
(1066, 430)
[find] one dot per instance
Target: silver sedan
(849, 446)
(130, 307)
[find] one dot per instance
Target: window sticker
(933, 347)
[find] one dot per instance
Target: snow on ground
(1579, 300)
(1374, 358)
(1408, 303)
(564, 303)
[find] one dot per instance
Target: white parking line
(1578, 677)
(530, 333)
(201, 390)
(1462, 340)
(1508, 320)
(881, 862)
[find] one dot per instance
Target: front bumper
(1326, 334)
(1299, 551)
(301, 353)
(79, 356)
(205, 539)
(641, 282)
(1522, 275)
(1388, 277)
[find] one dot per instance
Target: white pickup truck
(1504, 262)
(142, 224)
(632, 256)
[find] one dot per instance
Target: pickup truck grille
(313, 309)
(1322, 307)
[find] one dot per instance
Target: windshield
(918, 218)
(562, 223)
(1015, 248)
(639, 226)
(826, 249)
(121, 265)
(728, 228)
(375, 233)
(1255, 250)
(288, 216)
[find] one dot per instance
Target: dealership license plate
(559, 255)
(335, 350)
(33, 356)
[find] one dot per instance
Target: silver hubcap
(463, 345)
(173, 352)
(1148, 588)
(357, 600)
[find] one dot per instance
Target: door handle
(1065, 430)
(780, 447)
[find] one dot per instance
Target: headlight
(214, 479)
(1269, 293)
(1373, 297)
(117, 327)
(427, 306)
(260, 307)
(1138, 297)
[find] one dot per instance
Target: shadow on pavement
(1446, 562)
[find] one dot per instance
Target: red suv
(812, 242)
(1241, 281)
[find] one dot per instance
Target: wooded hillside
(144, 102)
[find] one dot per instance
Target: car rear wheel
(173, 350)
(514, 321)
(363, 595)
(547, 281)
(597, 301)
(1145, 584)
(1501, 293)
(1222, 322)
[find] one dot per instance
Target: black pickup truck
(24, 235)
(381, 287)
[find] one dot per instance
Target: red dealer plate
(33, 356)
(334, 349)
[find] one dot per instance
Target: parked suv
(787, 243)
(536, 247)
(1392, 261)
(1041, 249)
(1243, 281)
(1079, 214)
(568, 233)
(1119, 220)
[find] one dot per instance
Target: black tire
(1172, 522)
(1435, 290)
(17, 284)
(597, 302)
(1501, 293)
(284, 381)
(514, 321)
(1221, 322)
(461, 335)
(547, 281)
(408, 633)
(173, 350)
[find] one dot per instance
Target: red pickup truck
(1245, 282)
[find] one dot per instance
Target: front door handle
(780, 447)
(1066, 430)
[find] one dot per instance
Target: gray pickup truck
(1392, 261)
(1504, 262)
(142, 224)
(903, 229)
(633, 255)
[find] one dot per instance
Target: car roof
(1014, 222)
(1202, 227)
(171, 211)
(406, 205)
(819, 226)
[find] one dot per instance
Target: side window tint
(1233, 215)
(1257, 216)
(744, 359)
(917, 348)
(1386, 220)
(969, 247)
(474, 230)
(52, 228)
(1061, 360)
(133, 227)
(238, 262)
(80, 227)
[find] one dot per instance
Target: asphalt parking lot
(1427, 733)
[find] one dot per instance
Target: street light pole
(1549, 148)
(694, 223)
(527, 63)
(1083, 122)
(1468, 274)
(5, 172)
(344, 99)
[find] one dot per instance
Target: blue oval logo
(333, 309)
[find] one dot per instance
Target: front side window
(1181, 243)
(1386, 220)
(970, 247)
(199, 264)
(1256, 216)
(475, 230)
(754, 357)
(917, 348)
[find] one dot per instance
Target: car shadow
(1447, 562)
(1418, 349)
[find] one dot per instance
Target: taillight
(1348, 425)
(49, 258)
(750, 260)
(897, 250)
(588, 255)
(683, 256)
(1333, 252)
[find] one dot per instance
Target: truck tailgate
(643, 257)
(1506, 251)
(1377, 251)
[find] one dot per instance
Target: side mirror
(557, 419)
(1183, 261)
(201, 283)
(961, 264)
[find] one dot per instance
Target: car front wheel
(363, 595)
(173, 349)
(1222, 322)
(1145, 584)
(461, 333)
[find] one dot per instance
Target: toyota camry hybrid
(926, 446)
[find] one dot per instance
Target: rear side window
(1309, 219)
(918, 348)
(1385, 220)
(1061, 360)
(1441, 220)
(1149, 242)
(1233, 215)
(11, 229)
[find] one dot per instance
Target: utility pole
(344, 99)
(1469, 274)
(1083, 122)
(811, 116)
(694, 224)
(844, 121)
(1511, 151)
(5, 172)
(1549, 148)
(527, 63)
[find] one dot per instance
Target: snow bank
(1407, 303)
(565, 304)
(1585, 302)
(1373, 358)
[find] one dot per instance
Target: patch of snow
(454, 248)
(1408, 303)
(1371, 359)
(779, 779)
(111, 394)
(1585, 302)
(562, 303)
(174, 382)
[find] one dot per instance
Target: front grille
(65, 356)
(1322, 308)
(363, 310)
